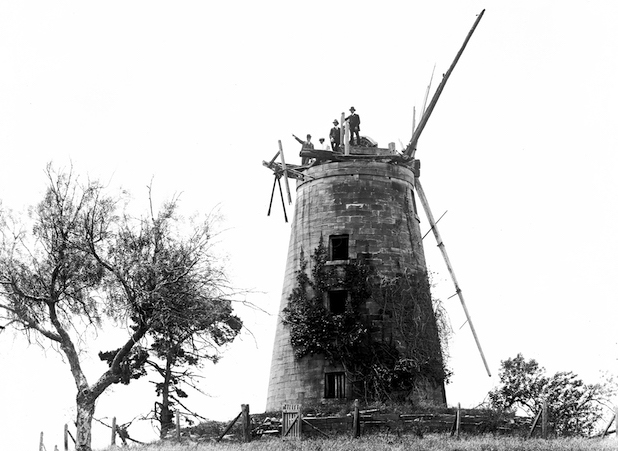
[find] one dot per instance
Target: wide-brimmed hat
(336, 122)
(352, 109)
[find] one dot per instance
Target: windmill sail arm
(434, 228)
(421, 125)
(285, 173)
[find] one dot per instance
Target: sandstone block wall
(373, 203)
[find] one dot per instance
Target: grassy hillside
(433, 442)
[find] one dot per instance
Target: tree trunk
(166, 414)
(85, 413)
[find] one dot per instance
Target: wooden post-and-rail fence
(67, 434)
(293, 423)
(116, 431)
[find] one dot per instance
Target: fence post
(113, 431)
(178, 425)
(356, 420)
(301, 399)
(544, 419)
(246, 423)
(342, 133)
(458, 419)
(66, 437)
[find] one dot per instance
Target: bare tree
(82, 261)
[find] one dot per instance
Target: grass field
(431, 442)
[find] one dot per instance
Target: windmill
(362, 204)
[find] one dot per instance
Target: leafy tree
(574, 407)
(81, 262)
(195, 323)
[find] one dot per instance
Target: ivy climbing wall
(371, 203)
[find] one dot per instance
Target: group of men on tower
(353, 124)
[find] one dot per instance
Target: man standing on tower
(354, 122)
(306, 145)
(335, 136)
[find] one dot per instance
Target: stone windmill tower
(356, 214)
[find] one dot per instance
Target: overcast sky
(521, 150)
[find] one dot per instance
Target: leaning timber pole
(411, 148)
(285, 173)
(434, 228)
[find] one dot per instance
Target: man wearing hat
(306, 145)
(335, 136)
(354, 122)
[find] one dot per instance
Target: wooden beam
(544, 419)
(313, 427)
(434, 227)
(428, 90)
(113, 431)
(274, 158)
(411, 149)
(322, 154)
(609, 425)
(292, 170)
(534, 423)
(346, 136)
(228, 427)
(341, 132)
(272, 195)
(285, 174)
(285, 215)
(455, 427)
(356, 421)
(327, 155)
(246, 423)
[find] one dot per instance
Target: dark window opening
(339, 247)
(334, 385)
(336, 301)
(413, 202)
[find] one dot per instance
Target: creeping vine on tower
(382, 362)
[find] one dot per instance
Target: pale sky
(522, 150)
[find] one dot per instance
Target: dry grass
(431, 442)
